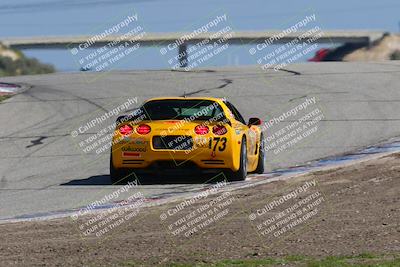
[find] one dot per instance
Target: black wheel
(117, 176)
(261, 156)
(241, 174)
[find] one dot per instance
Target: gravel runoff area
(347, 211)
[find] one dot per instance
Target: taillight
(125, 129)
(201, 129)
(143, 129)
(219, 130)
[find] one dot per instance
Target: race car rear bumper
(169, 160)
(177, 168)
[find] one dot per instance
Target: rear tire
(241, 174)
(261, 157)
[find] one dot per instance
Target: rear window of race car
(176, 109)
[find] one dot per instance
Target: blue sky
(60, 17)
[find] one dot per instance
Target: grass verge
(362, 260)
(4, 97)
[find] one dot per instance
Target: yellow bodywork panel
(176, 141)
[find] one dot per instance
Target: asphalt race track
(43, 168)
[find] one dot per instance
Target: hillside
(14, 62)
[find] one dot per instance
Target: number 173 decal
(217, 142)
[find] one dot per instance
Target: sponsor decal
(125, 139)
(201, 141)
(134, 141)
(253, 136)
(133, 149)
(131, 154)
(139, 141)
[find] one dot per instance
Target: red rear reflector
(130, 154)
(201, 129)
(143, 129)
(219, 130)
(125, 129)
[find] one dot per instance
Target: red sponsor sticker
(130, 154)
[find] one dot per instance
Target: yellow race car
(186, 134)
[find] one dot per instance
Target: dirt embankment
(5, 52)
(353, 210)
(386, 49)
(13, 62)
